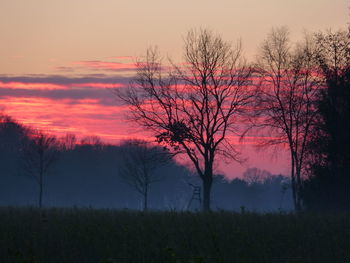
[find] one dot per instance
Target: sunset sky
(59, 58)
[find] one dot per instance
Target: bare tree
(139, 162)
(39, 154)
(91, 140)
(193, 108)
(255, 176)
(332, 53)
(94, 142)
(285, 105)
(68, 142)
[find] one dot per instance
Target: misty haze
(174, 132)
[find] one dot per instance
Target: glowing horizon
(60, 58)
(86, 107)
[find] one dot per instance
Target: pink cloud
(83, 117)
(122, 57)
(31, 86)
(98, 85)
(69, 108)
(53, 86)
(104, 65)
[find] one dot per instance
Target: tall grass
(88, 235)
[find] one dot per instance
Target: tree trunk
(299, 187)
(41, 178)
(294, 187)
(207, 182)
(297, 182)
(145, 200)
(41, 190)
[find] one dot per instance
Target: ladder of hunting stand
(196, 195)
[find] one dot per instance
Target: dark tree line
(88, 172)
(328, 185)
(36, 154)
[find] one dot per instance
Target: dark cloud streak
(67, 80)
(103, 95)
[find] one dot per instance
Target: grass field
(88, 235)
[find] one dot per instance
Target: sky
(59, 59)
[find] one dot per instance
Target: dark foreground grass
(87, 235)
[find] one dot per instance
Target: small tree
(139, 163)
(255, 176)
(39, 153)
(195, 107)
(68, 142)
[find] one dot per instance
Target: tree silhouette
(255, 176)
(39, 153)
(68, 142)
(285, 105)
(193, 107)
(329, 148)
(139, 162)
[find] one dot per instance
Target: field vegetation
(89, 235)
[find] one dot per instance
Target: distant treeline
(87, 173)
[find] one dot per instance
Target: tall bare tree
(39, 153)
(139, 162)
(195, 107)
(286, 109)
